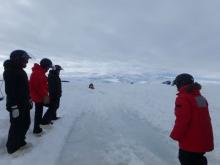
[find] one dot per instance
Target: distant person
(39, 91)
(193, 128)
(55, 93)
(18, 101)
(91, 86)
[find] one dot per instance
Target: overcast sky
(107, 36)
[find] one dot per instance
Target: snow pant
(18, 129)
(192, 158)
(54, 106)
(38, 115)
(52, 110)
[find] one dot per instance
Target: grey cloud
(174, 35)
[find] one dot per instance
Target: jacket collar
(190, 88)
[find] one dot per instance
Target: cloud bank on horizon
(103, 36)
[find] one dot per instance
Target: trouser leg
(201, 159)
(54, 106)
(191, 158)
(185, 158)
(26, 121)
(14, 134)
(38, 115)
(47, 116)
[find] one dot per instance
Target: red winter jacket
(193, 128)
(38, 84)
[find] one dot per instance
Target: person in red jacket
(39, 90)
(193, 128)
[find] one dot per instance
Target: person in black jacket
(18, 101)
(55, 92)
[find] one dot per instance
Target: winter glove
(46, 100)
(30, 106)
(15, 111)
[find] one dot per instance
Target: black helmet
(19, 56)
(183, 79)
(46, 63)
(57, 67)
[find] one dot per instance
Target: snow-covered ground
(115, 124)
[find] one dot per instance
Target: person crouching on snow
(91, 86)
(192, 128)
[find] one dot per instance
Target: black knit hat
(57, 67)
(183, 79)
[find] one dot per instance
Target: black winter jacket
(16, 86)
(54, 84)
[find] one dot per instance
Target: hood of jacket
(191, 88)
(8, 64)
(37, 68)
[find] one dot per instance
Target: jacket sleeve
(183, 117)
(23, 90)
(52, 85)
(40, 86)
(11, 89)
(43, 87)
